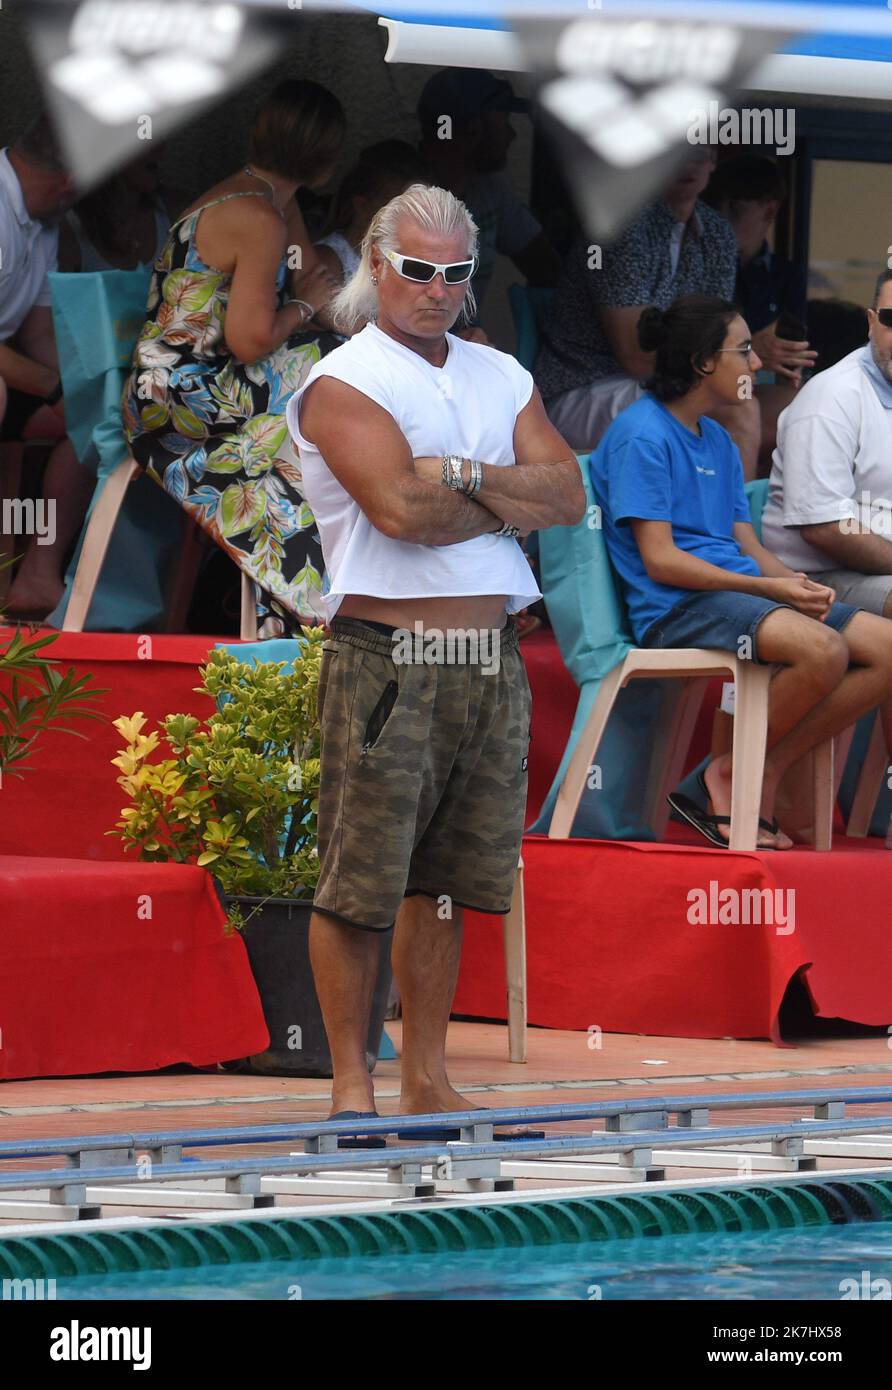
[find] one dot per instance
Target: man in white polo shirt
(423, 456)
(829, 510)
(35, 189)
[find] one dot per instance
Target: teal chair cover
(529, 307)
(590, 624)
(287, 649)
(97, 318)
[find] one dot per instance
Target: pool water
(798, 1264)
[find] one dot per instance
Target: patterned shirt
(636, 270)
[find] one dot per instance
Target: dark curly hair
(683, 336)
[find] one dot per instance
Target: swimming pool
(802, 1240)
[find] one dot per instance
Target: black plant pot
(277, 938)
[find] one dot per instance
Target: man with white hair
(423, 457)
(829, 509)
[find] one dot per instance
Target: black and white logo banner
(117, 72)
(623, 98)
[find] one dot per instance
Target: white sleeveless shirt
(469, 407)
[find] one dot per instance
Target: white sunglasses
(422, 272)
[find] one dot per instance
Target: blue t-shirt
(648, 466)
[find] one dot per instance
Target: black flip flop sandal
(770, 827)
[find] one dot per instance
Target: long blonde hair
(435, 210)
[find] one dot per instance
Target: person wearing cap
(590, 365)
(35, 189)
(466, 130)
(829, 508)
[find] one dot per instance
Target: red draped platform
(90, 985)
(634, 938)
(118, 967)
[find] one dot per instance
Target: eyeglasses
(885, 317)
(422, 272)
(746, 350)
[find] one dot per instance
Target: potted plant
(238, 794)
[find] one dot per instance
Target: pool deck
(561, 1068)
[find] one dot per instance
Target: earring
(374, 279)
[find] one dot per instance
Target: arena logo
(714, 906)
(715, 125)
(454, 646)
(680, 63)
(128, 58)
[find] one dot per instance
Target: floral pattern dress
(212, 431)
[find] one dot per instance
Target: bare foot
(433, 1099)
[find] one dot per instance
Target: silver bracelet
(476, 482)
(452, 472)
(506, 529)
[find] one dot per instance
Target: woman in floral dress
(236, 319)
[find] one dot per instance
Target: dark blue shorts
(723, 619)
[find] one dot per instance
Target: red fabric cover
(609, 942)
(90, 983)
(68, 796)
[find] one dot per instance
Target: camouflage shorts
(424, 777)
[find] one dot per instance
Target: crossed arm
(404, 498)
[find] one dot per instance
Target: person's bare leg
(743, 421)
(814, 660)
(68, 486)
(345, 966)
(426, 955)
(866, 685)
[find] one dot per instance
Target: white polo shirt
(469, 407)
(833, 460)
(29, 250)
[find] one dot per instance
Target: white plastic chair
(97, 536)
(514, 938)
(694, 667)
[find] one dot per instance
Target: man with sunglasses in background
(829, 510)
(423, 457)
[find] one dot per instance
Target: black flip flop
(701, 821)
(359, 1141)
(770, 827)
